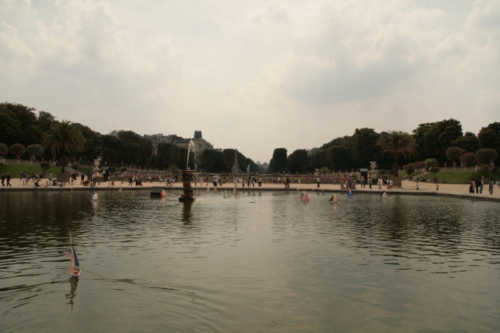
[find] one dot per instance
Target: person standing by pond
(8, 179)
(481, 184)
(3, 179)
(318, 180)
(491, 185)
(472, 185)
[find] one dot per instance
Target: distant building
(199, 143)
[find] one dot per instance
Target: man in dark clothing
(8, 179)
(3, 179)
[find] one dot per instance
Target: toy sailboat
(74, 267)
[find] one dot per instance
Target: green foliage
(484, 170)
(340, 141)
(45, 165)
(364, 146)
(324, 170)
(434, 170)
(129, 147)
(430, 162)
(297, 161)
(228, 159)
(211, 161)
(334, 158)
(3, 149)
(410, 171)
(486, 155)
(17, 149)
(468, 158)
(391, 172)
(76, 166)
(279, 159)
(454, 153)
(434, 138)
(15, 169)
(173, 168)
(18, 124)
(396, 143)
(35, 150)
(64, 138)
(468, 142)
(167, 155)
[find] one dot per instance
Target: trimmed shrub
(17, 150)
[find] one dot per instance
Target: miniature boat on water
(74, 266)
(158, 192)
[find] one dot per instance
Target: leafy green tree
(489, 137)
(397, 143)
(468, 142)
(64, 138)
(167, 155)
(486, 155)
(92, 148)
(429, 163)
(468, 158)
(340, 141)
(454, 153)
(484, 170)
(45, 166)
(17, 149)
(434, 138)
(364, 146)
(410, 171)
(297, 161)
(18, 124)
(228, 159)
(35, 150)
(434, 171)
(45, 120)
(3, 149)
(279, 159)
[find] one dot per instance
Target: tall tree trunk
(396, 158)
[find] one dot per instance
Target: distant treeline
(22, 126)
(356, 151)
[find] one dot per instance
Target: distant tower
(197, 135)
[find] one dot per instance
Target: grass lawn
(85, 170)
(15, 169)
(462, 177)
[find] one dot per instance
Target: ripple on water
(250, 262)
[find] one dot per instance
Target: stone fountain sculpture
(187, 177)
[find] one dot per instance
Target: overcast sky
(254, 75)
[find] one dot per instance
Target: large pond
(251, 262)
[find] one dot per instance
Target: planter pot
(396, 181)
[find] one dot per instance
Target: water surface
(251, 262)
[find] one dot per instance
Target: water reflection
(186, 212)
(73, 281)
(395, 263)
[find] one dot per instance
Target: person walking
(318, 180)
(8, 179)
(260, 181)
(492, 184)
(3, 179)
(481, 184)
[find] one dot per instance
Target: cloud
(253, 75)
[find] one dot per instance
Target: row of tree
(392, 149)
(26, 134)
